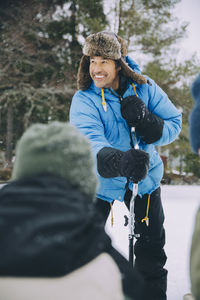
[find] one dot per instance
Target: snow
(180, 205)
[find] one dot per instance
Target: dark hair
(117, 63)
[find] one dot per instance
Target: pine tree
(40, 49)
(152, 32)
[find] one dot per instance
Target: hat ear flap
(128, 72)
(123, 46)
(83, 77)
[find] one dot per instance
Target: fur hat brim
(102, 44)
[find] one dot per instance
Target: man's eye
(104, 61)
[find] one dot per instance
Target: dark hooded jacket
(48, 228)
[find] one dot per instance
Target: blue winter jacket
(194, 120)
(109, 129)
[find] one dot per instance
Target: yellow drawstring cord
(146, 219)
(103, 100)
(103, 97)
(133, 85)
(112, 216)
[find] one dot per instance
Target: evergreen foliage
(40, 50)
(192, 164)
(152, 32)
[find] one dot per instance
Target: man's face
(104, 72)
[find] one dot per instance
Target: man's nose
(97, 68)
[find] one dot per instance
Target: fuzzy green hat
(57, 149)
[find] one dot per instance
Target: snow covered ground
(180, 205)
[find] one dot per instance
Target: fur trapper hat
(57, 149)
(110, 46)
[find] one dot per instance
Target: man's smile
(98, 76)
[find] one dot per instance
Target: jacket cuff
(151, 128)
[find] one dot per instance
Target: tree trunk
(120, 16)
(181, 164)
(9, 135)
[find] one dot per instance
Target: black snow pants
(150, 256)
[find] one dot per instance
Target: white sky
(188, 10)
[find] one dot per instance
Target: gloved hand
(147, 125)
(133, 110)
(133, 163)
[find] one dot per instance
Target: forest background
(40, 50)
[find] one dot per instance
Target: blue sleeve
(195, 89)
(194, 119)
(85, 116)
(160, 105)
(194, 128)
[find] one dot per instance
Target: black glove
(133, 110)
(133, 163)
(136, 114)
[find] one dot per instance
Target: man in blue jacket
(113, 97)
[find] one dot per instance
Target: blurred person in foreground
(113, 98)
(51, 243)
(194, 134)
